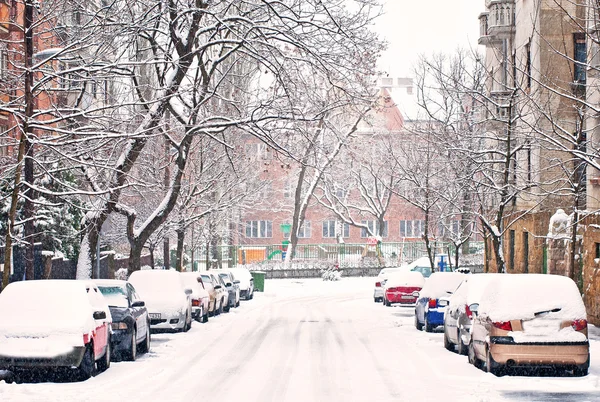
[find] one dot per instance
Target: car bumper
(70, 359)
(401, 298)
(378, 293)
(197, 312)
(538, 354)
(167, 323)
(120, 340)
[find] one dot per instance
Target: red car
(54, 324)
(403, 288)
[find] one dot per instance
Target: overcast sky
(424, 27)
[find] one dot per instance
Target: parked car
(200, 297)
(168, 302)
(130, 321)
(232, 285)
(54, 324)
(530, 320)
(402, 288)
(380, 281)
(215, 291)
(458, 316)
(429, 309)
(246, 282)
(224, 291)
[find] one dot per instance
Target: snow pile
(441, 284)
(121, 274)
(50, 320)
(410, 278)
(521, 296)
(559, 223)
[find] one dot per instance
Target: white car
(246, 282)
(168, 301)
(380, 282)
(200, 297)
(54, 324)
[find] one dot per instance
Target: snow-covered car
(380, 281)
(216, 292)
(232, 285)
(168, 302)
(432, 301)
(458, 316)
(200, 297)
(54, 324)
(402, 288)
(530, 320)
(130, 322)
(246, 282)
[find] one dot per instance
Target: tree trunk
(151, 248)
(179, 255)
(135, 258)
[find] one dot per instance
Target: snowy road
(308, 340)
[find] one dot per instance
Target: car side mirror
(217, 287)
(236, 282)
(138, 303)
(188, 291)
(229, 284)
(99, 315)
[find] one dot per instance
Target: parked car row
(500, 321)
(80, 326)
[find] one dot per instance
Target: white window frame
(304, 231)
(259, 229)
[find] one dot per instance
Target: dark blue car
(429, 310)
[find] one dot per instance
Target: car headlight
(119, 325)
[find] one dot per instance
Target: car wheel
(491, 365)
(226, 308)
(104, 362)
(132, 354)
(472, 357)
(375, 299)
(237, 304)
(205, 317)
(220, 310)
(86, 367)
(447, 344)
(188, 322)
(428, 327)
(145, 345)
(418, 325)
(462, 348)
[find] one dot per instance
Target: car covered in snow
(402, 288)
(130, 321)
(215, 291)
(531, 320)
(232, 286)
(54, 324)
(168, 301)
(458, 315)
(246, 282)
(380, 281)
(200, 297)
(433, 299)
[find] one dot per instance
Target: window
(374, 229)
(304, 231)
(597, 250)
(526, 252)
(414, 228)
(3, 144)
(332, 227)
(259, 229)
(3, 63)
(580, 58)
(528, 65)
(287, 189)
(511, 249)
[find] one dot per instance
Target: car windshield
(115, 296)
(206, 279)
(225, 277)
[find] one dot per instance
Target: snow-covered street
(309, 340)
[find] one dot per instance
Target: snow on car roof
(441, 284)
(521, 296)
(148, 281)
(471, 290)
(410, 278)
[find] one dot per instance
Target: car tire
(447, 344)
(237, 304)
(86, 367)
(144, 346)
(375, 299)
(132, 352)
(188, 322)
(491, 365)
(461, 348)
(428, 327)
(220, 310)
(104, 362)
(418, 325)
(226, 308)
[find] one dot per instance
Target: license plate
(407, 297)
(154, 315)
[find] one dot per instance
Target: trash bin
(259, 280)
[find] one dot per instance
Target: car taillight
(195, 302)
(468, 311)
(579, 325)
(504, 325)
(377, 284)
(432, 303)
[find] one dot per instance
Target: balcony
(498, 22)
